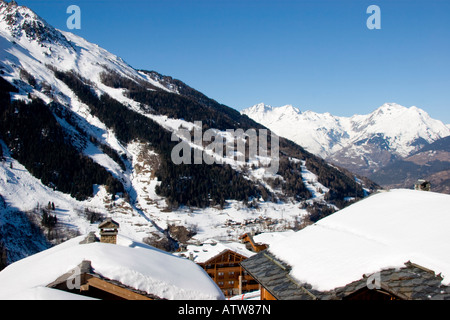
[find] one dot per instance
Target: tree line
(194, 185)
(37, 141)
(192, 105)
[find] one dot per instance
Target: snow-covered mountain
(361, 143)
(84, 135)
(431, 163)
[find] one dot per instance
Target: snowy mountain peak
(260, 108)
(10, 4)
(391, 106)
(259, 111)
(21, 21)
(264, 108)
(31, 44)
(289, 108)
(391, 128)
(16, 16)
(390, 109)
(399, 122)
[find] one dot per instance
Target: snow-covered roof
(211, 248)
(271, 237)
(131, 263)
(383, 231)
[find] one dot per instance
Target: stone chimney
(108, 231)
(422, 185)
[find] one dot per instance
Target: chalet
(221, 262)
(390, 246)
(422, 185)
(85, 268)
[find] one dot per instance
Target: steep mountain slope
(82, 129)
(361, 143)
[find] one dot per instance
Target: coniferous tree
(37, 141)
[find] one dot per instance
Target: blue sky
(314, 54)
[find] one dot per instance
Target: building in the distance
(221, 260)
(422, 185)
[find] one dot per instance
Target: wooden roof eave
(109, 224)
(88, 278)
(121, 291)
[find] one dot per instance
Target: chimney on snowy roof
(422, 185)
(108, 231)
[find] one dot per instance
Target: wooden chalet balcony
(228, 274)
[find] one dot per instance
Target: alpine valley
(85, 136)
(394, 146)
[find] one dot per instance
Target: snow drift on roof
(383, 231)
(133, 264)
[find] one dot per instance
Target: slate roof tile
(408, 282)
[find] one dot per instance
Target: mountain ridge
(360, 143)
(117, 124)
(431, 163)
